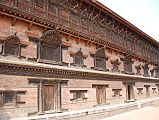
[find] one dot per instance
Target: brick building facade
(62, 55)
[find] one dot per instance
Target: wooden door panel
(101, 94)
(48, 97)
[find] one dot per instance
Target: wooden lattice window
(49, 47)
(128, 65)
(74, 19)
(78, 95)
(146, 69)
(116, 65)
(157, 71)
(11, 49)
(140, 91)
(10, 98)
(138, 69)
(39, 3)
(79, 59)
(117, 92)
(52, 8)
(100, 59)
(12, 46)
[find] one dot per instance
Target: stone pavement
(97, 113)
(147, 113)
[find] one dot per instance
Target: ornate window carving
(9, 98)
(128, 64)
(152, 72)
(52, 7)
(117, 92)
(12, 46)
(24, 5)
(49, 47)
(74, 19)
(39, 3)
(78, 95)
(146, 68)
(115, 65)
(78, 59)
(140, 91)
(100, 59)
(157, 71)
(138, 69)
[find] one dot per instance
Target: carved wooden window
(115, 66)
(11, 49)
(84, 25)
(128, 65)
(39, 3)
(12, 46)
(24, 5)
(152, 72)
(117, 92)
(157, 71)
(146, 68)
(8, 2)
(138, 69)
(49, 47)
(140, 91)
(52, 8)
(8, 98)
(78, 59)
(64, 15)
(78, 95)
(100, 59)
(74, 19)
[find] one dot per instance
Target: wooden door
(48, 91)
(101, 94)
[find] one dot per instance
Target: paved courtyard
(147, 113)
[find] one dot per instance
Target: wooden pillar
(58, 107)
(19, 51)
(157, 89)
(40, 98)
(38, 51)
(3, 48)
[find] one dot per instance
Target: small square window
(8, 98)
(117, 92)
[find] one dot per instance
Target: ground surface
(148, 113)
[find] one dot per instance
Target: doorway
(101, 94)
(130, 91)
(48, 97)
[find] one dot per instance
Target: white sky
(144, 14)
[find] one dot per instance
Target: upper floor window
(138, 69)
(116, 65)
(12, 46)
(52, 8)
(157, 71)
(100, 59)
(49, 47)
(39, 3)
(128, 64)
(146, 69)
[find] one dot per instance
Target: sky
(144, 14)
